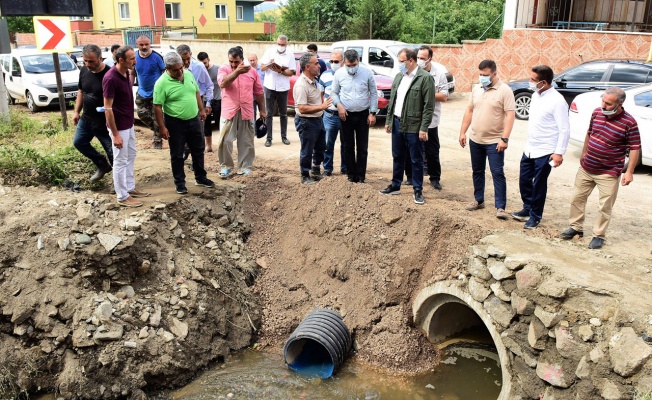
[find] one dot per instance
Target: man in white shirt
(279, 65)
(547, 140)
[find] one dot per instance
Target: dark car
(588, 76)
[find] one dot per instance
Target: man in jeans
(92, 123)
(279, 65)
(149, 67)
(215, 103)
(180, 114)
(490, 114)
(356, 97)
(331, 117)
(309, 110)
(119, 111)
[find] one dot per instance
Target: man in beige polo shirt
(310, 107)
(490, 114)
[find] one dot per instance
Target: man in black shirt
(92, 123)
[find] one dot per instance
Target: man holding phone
(547, 140)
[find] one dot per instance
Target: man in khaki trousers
(612, 132)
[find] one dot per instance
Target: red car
(383, 84)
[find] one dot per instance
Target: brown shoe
(474, 205)
(130, 202)
(137, 193)
(501, 214)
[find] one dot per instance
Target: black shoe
(157, 145)
(418, 197)
(315, 174)
(181, 189)
(99, 174)
(408, 182)
(531, 223)
(285, 140)
(268, 143)
(596, 243)
(436, 185)
(570, 233)
(205, 182)
(352, 179)
(307, 180)
(391, 190)
(328, 173)
(523, 215)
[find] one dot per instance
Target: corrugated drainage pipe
(319, 344)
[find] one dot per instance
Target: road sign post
(62, 101)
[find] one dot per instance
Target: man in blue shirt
(199, 72)
(356, 97)
(149, 67)
(331, 117)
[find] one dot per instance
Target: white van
(29, 77)
(382, 56)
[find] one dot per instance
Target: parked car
(586, 77)
(382, 56)
(638, 103)
(29, 77)
(77, 52)
(383, 84)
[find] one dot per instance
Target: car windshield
(398, 47)
(44, 63)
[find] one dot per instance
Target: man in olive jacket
(409, 113)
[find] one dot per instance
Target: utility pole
(371, 24)
(434, 24)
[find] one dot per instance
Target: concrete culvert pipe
(319, 344)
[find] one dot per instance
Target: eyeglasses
(334, 61)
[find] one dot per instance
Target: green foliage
(20, 24)
(387, 19)
(307, 20)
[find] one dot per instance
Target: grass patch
(37, 151)
(642, 395)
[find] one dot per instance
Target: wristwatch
(504, 139)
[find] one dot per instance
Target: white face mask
(422, 63)
(280, 49)
(335, 67)
(533, 85)
(609, 112)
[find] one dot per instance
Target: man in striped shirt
(612, 132)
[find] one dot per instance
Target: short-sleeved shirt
(90, 83)
(489, 108)
(274, 80)
(212, 72)
(178, 98)
(148, 69)
(118, 87)
(306, 93)
(609, 139)
(238, 95)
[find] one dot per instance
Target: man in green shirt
(179, 109)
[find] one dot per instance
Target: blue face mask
(485, 80)
(403, 68)
(352, 70)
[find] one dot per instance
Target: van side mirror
(15, 73)
(388, 63)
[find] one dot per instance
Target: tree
(307, 20)
(384, 17)
(20, 24)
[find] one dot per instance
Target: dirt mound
(101, 303)
(344, 246)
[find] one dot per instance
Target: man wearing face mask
(331, 117)
(149, 67)
(356, 97)
(279, 65)
(547, 140)
(612, 132)
(490, 114)
(409, 114)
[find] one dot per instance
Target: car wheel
(31, 105)
(523, 105)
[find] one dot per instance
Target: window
(378, 56)
(123, 9)
(358, 49)
(643, 99)
(586, 73)
(81, 18)
(220, 11)
(15, 65)
(629, 73)
(239, 13)
(172, 10)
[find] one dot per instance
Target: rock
(159, 207)
(498, 269)
(515, 348)
(536, 335)
(108, 241)
(493, 251)
(497, 288)
(40, 243)
(515, 263)
(183, 293)
(549, 319)
(104, 311)
(63, 244)
(262, 262)
(144, 333)
(553, 288)
(478, 268)
(180, 329)
(478, 291)
(81, 338)
(585, 332)
(144, 267)
(565, 342)
(83, 239)
(132, 224)
(212, 244)
(84, 214)
(129, 291)
(390, 214)
(155, 318)
(21, 312)
(521, 305)
(595, 322)
(553, 373)
(174, 300)
(583, 369)
(167, 336)
(500, 311)
(610, 391)
(596, 354)
(131, 345)
(528, 278)
(20, 330)
(108, 332)
(628, 352)
(479, 251)
(144, 316)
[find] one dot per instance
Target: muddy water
(467, 372)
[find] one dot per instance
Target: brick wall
(519, 50)
(100, 39)
(24, 39)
